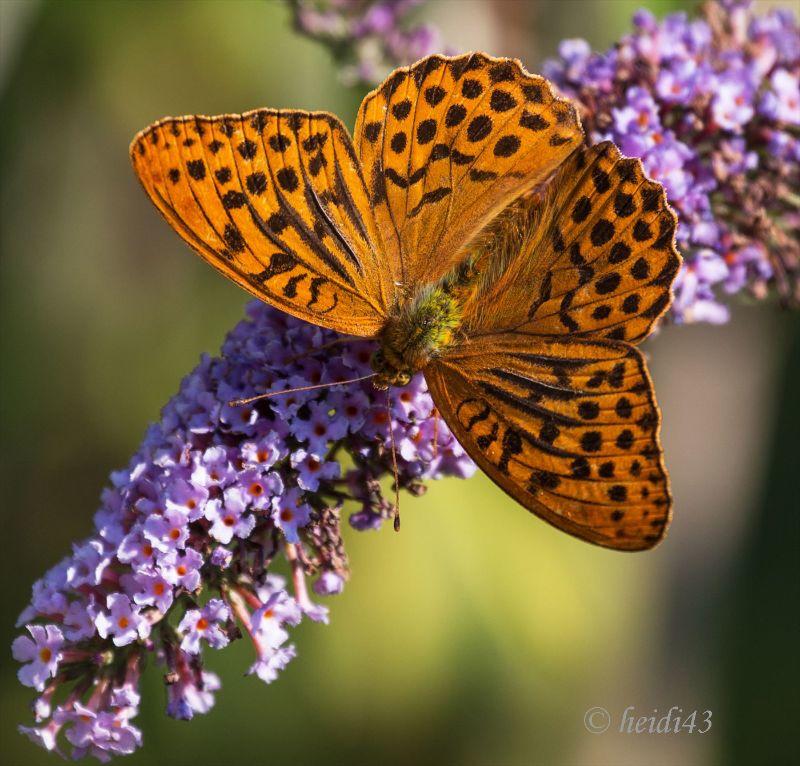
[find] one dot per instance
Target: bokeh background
(477, 636)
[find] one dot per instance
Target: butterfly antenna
(394, 464)
(270, 394)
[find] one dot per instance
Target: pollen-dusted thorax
(414, 335)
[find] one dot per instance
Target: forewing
(567, 428)
(276, 201)
(594, 258)
(448, 143)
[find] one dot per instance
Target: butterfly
(469, 230)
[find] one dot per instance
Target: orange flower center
(45, 654)
(123, 622)
(256, 489)
(286, 515)
(174, 533)
(228, 521)
(180, 569)
(158, 589)
(202, 623)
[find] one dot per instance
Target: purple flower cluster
(712, 106)
(186, 536)
(367, 38)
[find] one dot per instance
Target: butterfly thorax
(417, 332)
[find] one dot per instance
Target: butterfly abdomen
(419, 331)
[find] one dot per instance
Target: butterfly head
(388, 374)
(417, 332)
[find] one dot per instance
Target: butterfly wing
(594, 258)
(448, 143)
(275, 200)
(542, 392)
(568, 428)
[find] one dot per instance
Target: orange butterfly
(434, 232)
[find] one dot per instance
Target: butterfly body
(417, 332)
(468, 230)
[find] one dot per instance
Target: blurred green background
(477, 636)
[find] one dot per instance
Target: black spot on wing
(396, 178)
(290, 288)
(314, 288)
(459, 158)
(401, 109)
(233, 238)
(533, 122)
(434, 94)
(471, 88)
(511, 445)
(426, 131)
(196, 169)
(247, 149)
(506, 146)
(455, 115)
(479, 128)
(430, 198)
(256, 183)
(502, 72)
(481, 175)
(502, 101)
(279, 263)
